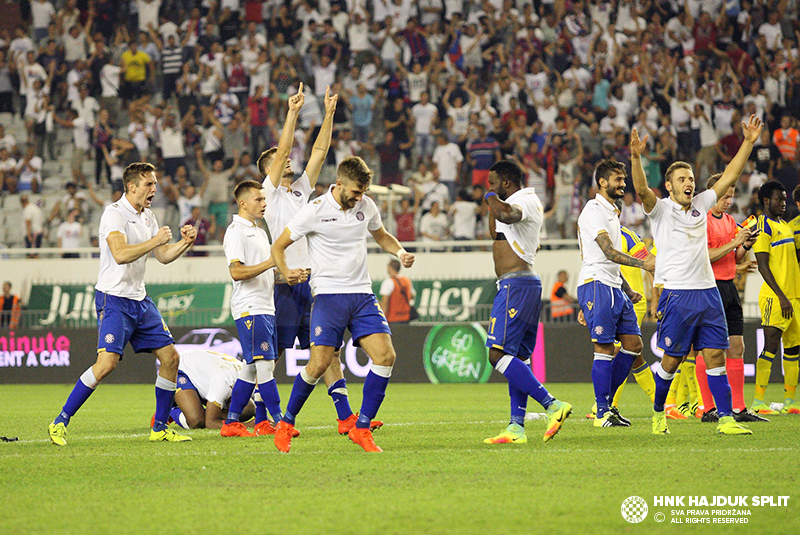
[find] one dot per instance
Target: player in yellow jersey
(776, 251)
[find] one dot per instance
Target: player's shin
(374, 391)
(644, 377)
(303, 386)
(165, 394)
(663, 381)
(521, 376)
(763, 370)
(519, 401)
(268, 388)
(80, 393)
(721, 390)
(601, 379)
(620, 368)
(790, 373)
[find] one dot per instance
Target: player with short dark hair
(336, 227)
(129, 232)
(516, 220)
(606, 299)
(690, 309)
(247, 252)
(777, 251)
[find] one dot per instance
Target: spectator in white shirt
(433, 226)
(632, 214)
(69, 234)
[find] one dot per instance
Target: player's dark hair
(264, 159)
(395, 264)
(243, 187)
(713, 179)
(796, 194)
(355, 170)
(673, 167)
(767, 189)
(508, 170)
(136, 171)
(608, 167)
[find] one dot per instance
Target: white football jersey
(523, 236)
(124, 280)
(282, 205)
(245, 242)
(213, 374)
(680, 236)
(599, 217)
(337, 243)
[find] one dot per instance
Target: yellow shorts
(771, 317)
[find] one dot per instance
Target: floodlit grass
(435, 476)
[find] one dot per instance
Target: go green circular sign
(456, 354)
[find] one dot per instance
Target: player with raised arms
(605, 297)
(336, 226)
(129, 232)
(285, 197)
(690, 311)
(516, 220)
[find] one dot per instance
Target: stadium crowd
(432, 94)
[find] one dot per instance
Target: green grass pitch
(435, 476)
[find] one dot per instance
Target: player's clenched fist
(296, 276)
(164, 235)
(406, 258)
(188, 233)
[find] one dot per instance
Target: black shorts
(732, 306)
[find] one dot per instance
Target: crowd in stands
(431, 94)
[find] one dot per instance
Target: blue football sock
(519, 404)
(620, 368)
(602, 367)
(165, 395)
(721, 390)
(341, 401)
(242, 392)
(374, 391)
(521, 377)
(663, 381)
(261, 411)
(80, 393)
(271, 399)
(302, 388)
(177, 415)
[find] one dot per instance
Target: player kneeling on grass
(247, 252)
(336, 226)
(129, 232)
(516, 219)
(205, 382)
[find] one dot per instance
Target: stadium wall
(445, 353)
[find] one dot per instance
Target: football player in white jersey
(247, 253)
(285, 197)
(129, 232)
(336, 226)
(205, 382)
(690, 311)
(515, 223)
(606, 299)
